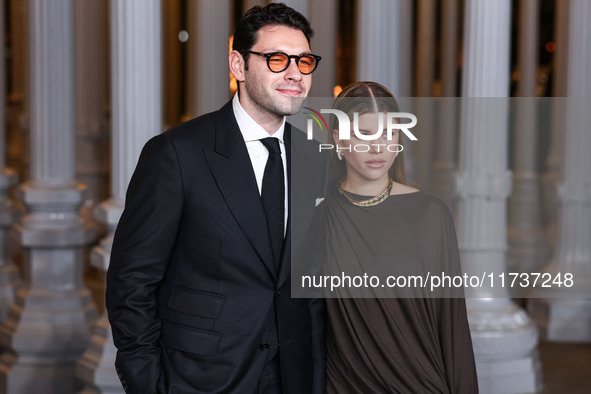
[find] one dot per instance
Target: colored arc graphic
(316, 115)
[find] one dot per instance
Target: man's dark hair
(258, 17)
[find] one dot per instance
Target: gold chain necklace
(372, 201)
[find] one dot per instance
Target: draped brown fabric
(395, 345)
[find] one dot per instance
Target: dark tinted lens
(307, 64)
(278, 62)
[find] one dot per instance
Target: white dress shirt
(252, 133)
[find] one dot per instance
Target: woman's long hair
(363, 98)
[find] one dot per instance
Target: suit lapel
(285, 266)
(231, 167)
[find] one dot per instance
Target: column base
(96, 368)
(505, 347)
(32, 376)
(45, 333)
(520, 375)
(562, 320)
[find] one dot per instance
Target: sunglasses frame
(289, 57)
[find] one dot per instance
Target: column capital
(495, 186)
(33, 194)
(573, 192)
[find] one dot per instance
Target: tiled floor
(566, 368)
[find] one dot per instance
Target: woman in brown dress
(377, 225)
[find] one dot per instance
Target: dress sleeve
(456, 347)
(454, 331)
(142, 246)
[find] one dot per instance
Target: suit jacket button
(264, 346)
(277, 293)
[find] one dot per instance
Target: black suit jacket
(192, 290)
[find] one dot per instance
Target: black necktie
(273, 195)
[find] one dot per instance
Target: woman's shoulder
(399, 189)
(427, 202)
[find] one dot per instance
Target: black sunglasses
(279, 61)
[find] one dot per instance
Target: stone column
(47, 328)
(379, 42)
(528, 250)
(383, 52)
(425, 79)
(425, 47)
(92, 139)
(208, 78)
(450, 13)
(445, 146)
(172, 89)
(17, 138)
(504, 338)
(556, 151)
(323, 17)
(8, 272)
(405, 29)
(91, 100)
(136, 117)
(564, 313)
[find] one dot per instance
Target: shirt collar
(250, 129)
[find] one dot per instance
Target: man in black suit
(198, 288)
